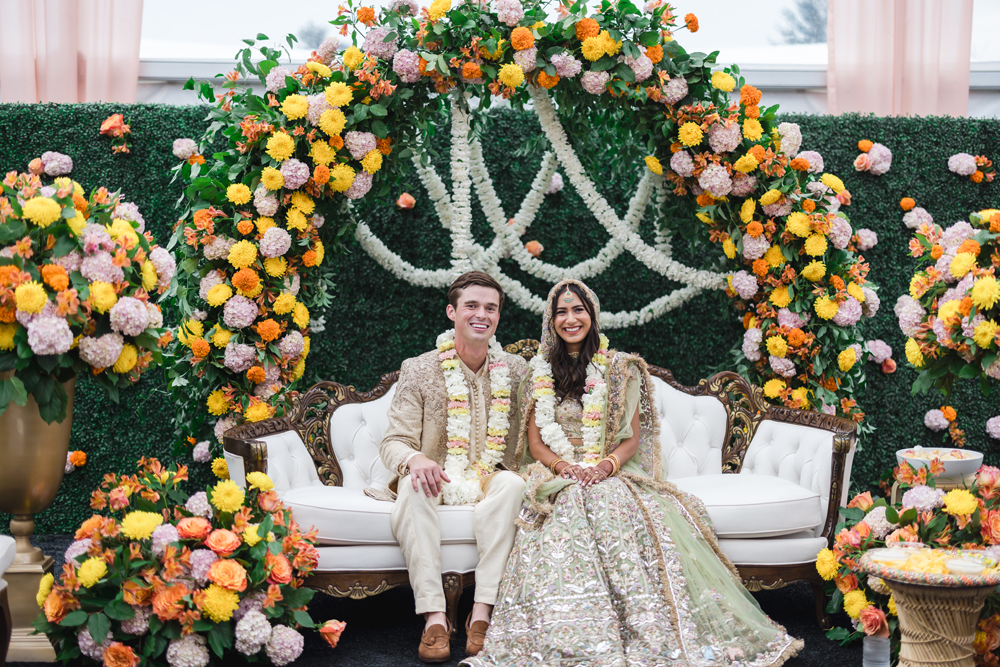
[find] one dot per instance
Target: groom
(422, 440)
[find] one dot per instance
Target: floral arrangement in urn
(77, 277)
(163, 578)
(959, 519)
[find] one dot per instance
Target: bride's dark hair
(569, 374)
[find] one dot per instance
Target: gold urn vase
(32, 461)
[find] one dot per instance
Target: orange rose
(228, 574)
(406, 201)
(990, 527)
(846, 584)
(89, 527)
(279, 569)
(331, 631)
(223, 542)
(113, 124)
(167, 603)
(135, 595)
(862, 501)
(193, 528)
(119, 655)
(269, 501)
(54, 608)
(874, 622)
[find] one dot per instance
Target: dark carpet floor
(384, 631)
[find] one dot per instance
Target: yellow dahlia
(854, 290)
(220, 337)
(333, 121)
(77, 224)
(149, 277)
(438, 9)
(126, 359)
(319, 69)
(729, 248)
(295, 107)
(280, 146)
(815, 245)
(296, 219)
(271, 178)
(218, 603)
(42, 211)
(44, 588)
(339, 94)
(189, 331)
(826, 307)
(814, 271)
(774, 257)
(226, 496)
(7, 332)
(801, 396)
(91, 571)
(243, 254)
(846, 359)
(218, 295)
(770, 197)
(913, 353)
(747, 211)
(30, 297)
(102, 296)
(690, 134)
(985, 292)
(594, 48)
(892, 606)
(140, 525)
(284, 304)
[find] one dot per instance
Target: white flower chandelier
(468, 169)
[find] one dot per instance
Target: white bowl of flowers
(958, 463)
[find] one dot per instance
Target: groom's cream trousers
(417, 528)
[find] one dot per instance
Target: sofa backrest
(692, 432)
(356, 431)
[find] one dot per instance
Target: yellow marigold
(333, 121)
(511, 75)
(102, 296)
(303, 202)
(280, 146)
(271, 178)
(300, 369)
(773, 388)
(984, 333)
(777, 346)
(296, 219)
(321, 152)
(140, 525)
(243, 254)
(284, 304)
(594, 48)
(30, 297)
(300, 315)
(798, 224)
(610, 46)
(217, 402)
(747, 211)
(238, 193)
(42, 211)
(220, 337)
(258, 412)
(752, 129)
(746, 164)
(91, 571)
(319, 69)
(826, 564)
(77, 224)
(653, 164)
(826, 307)
(962, 264)
(985, 292)
(815, 245)
(779, 297)
(832, 182)
(7, 332)
(227, 496)
(372, 161)
(690, 134)
(960, 502)
(846, 359)
(44, 588)
(729, 248)
(341, 177)
(352, 58)
(855, 602)
(854, 290)
(493, 55)
(259, 481)
(149, 277)
(723, 81)
(913, 353)
(219, 468)
(295, 107)
(126, 359)
(218, 295)
(189, 331)
(770, 197)
(774, 257)
(814, 271)
(438, 9)
(275, 266)
(218, 603)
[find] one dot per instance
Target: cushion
(750, 506)
(454, 558)
(692, 432)
(356, 431)
(788, 550)
(348, 517)
(7, 550)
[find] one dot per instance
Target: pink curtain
(69, 50)
(899, 57)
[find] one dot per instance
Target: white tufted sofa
(7, 552)
(767, 476)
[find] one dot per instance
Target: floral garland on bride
(594, 401)
(464, 487)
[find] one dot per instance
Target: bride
(611, 567)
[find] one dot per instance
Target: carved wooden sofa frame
(746, 408)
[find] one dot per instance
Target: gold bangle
(615, 463)
(555, 462)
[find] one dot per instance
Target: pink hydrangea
(275, 79)
(360, 187)
(252, 602)
(220, 428)
(879, 350)
(72, 261)
(954, 236)
(743, 184)
(285, 644)
(138, 625)
(317, 105)
(96, 239)
(291, 345)
(744, 284)
(724, 137)
(962, 164)
(755, 247)
(828, 409)
(77, 548)
(814, 159)
(880, 158)
(327, 50)
(265, 201)
(867, 239)
(993, 427)
(787, 318)
(239, 312)
(57, 164)
(202, 452)
(566, 65)
(404, 7)
(89, 647)
(129, 316)
(49, 335)
(682, 164)
(849, 313)
(642, 66)
(923, 498)
(675, 90)
(791, 138)
(993, 370)
(25, 318)
(752, 338)
(211, 279)
(782, 366)
(163, 535)
(935, 420)
(189, 651)
(292, 282)
(880, 526)
(840, 232)
(715, 180)
(201, 561)
(871, 303)
(252, 633)
(916, 217)
(359, 144)
(595, 83)
(295, 173)
(103, 351)
(376, 45)
(69, 467)
(239, 357)
(510, 12)
(185, 148)
(526, 59)
(555, 185)
(165, 265)
(406, 64)
(778, 209)
(198, 503)
(275, 242)
(317, 220)
(101, 266)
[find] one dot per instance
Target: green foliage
(376, 320)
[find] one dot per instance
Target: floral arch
(261, 216)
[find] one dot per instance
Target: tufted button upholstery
(798, 454)
(356, 431)
(692, 432)
(289, 464)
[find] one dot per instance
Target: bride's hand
(594, 475)
(573, 471)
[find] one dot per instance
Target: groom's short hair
(468, 280)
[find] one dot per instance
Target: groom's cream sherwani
(418, 423)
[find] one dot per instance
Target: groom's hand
(427, 472)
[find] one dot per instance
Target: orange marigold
(949, 413)
(256, 374)
(752, 111)
(6, 274)
(936, 251)
(692, 22)
(654, 53)
(587, 28)
(977, 177)
(796, 337)
(384, 146)
(78, 458)
(309, 258)
(995, 223)
(79, 203)
(200, 348)
(800, 164)
(196, 159)
(808, 206)
(758, 153)
(837, 282)
(246, 280)
(864, 145)
(546, 81)
(337, 142)
(55, 277)
(422, 65)
(7, 313)
(321, 175)
(705, 199)
(268, 330)
(749, 321)
(366, 15)
(471, 71)
(521, 39)
(244, 227)
(755, 229)
(907, 203)
(760, 267)
(749, 96)
(970, 246)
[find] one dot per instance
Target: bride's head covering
(548, 335)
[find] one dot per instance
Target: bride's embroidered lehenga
(626, 572)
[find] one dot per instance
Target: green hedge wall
(377, 320)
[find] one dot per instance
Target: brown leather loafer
(435, 645)
(475, 635)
